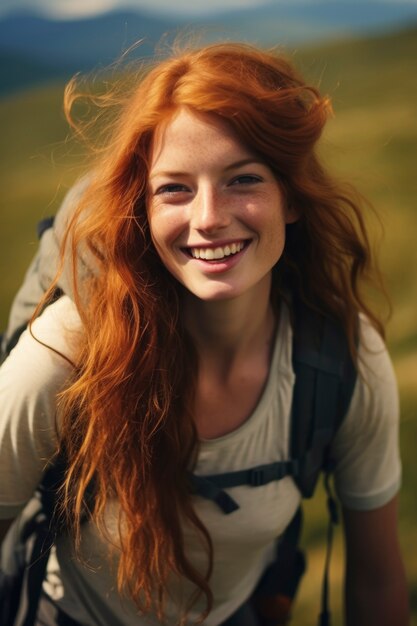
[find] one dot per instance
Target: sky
(64, 9)
(80, 8)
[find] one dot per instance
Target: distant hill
(80, 43)
(33, 48)
(301, 22)
(19, 71)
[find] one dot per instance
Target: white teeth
(209, 254)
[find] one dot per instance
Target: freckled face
(216, 212)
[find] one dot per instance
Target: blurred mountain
(36, 49)
(20, 71)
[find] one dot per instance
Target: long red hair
(128, 417)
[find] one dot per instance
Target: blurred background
(362, 53)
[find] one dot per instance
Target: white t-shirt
(367, 475)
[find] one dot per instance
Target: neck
(226, 330)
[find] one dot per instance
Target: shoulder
(50, 343)
(40, 363)
(59, 327)
(366, 447)
(376, 393)
(39, 366)
(374, 360)
(30, 380)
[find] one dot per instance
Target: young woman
(206, 211)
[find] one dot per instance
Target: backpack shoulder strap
(325, 378)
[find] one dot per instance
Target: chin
(216, 295)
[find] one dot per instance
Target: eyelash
(173, 188)
(249, 179)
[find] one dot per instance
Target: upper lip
(216, 244)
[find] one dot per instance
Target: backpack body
(43, 268)
(26, 548)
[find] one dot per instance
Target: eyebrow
(168, 174)
(232, 166)
(242, 162)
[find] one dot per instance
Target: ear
(292, 214)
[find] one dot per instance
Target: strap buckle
(257, 477)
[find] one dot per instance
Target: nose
(209, 212)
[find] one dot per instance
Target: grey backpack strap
(43, 269)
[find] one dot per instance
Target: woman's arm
(375, 585)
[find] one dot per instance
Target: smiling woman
(171, 360)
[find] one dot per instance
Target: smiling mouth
(217, 253)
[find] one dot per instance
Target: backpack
(324, 383)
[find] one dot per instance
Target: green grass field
(371, 142)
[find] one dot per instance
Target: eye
(246, 179)
(171, 188)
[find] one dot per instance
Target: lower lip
(217, 266)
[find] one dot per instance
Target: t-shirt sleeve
(30, 379)
(366, 448)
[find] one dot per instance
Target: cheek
(274, 235)
(154, 227)
(157, 236)
(270, 220)
(165, 226)
(163, 238)
(159, 230)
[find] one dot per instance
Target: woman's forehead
(193, 134)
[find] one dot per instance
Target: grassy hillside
(371, 141)
(17, 70)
